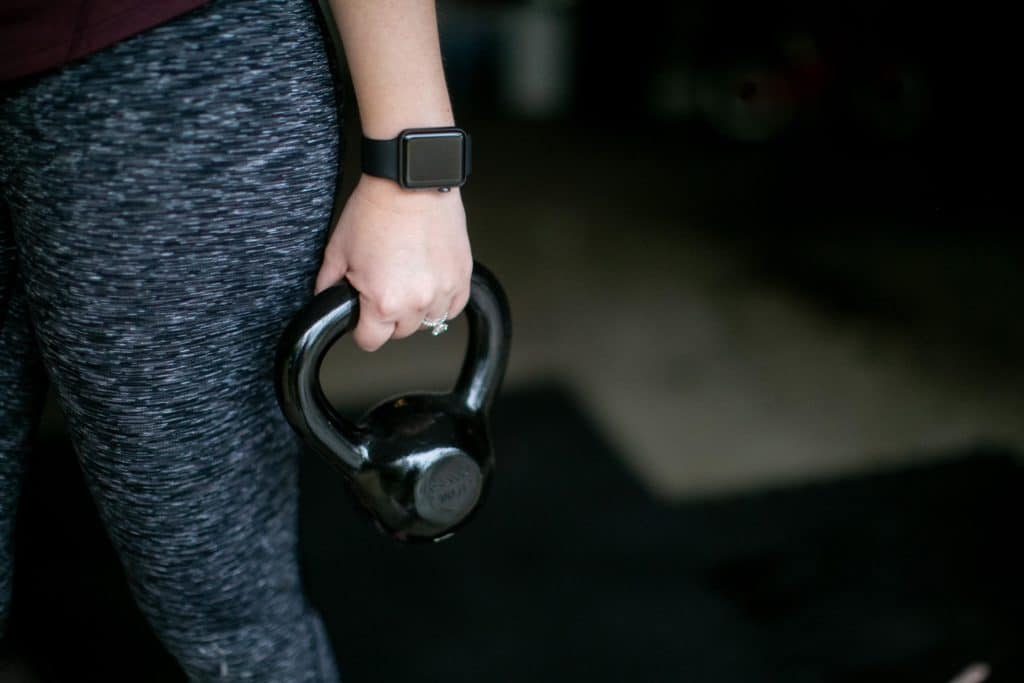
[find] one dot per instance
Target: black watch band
(420, 157)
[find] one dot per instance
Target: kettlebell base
(448, 489)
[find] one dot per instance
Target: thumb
(331, 272)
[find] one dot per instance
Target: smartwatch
(420, 158)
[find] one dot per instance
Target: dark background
(762, 420)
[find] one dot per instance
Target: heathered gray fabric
(165, 203)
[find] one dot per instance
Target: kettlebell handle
(334, 312)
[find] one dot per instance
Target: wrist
(385, 127)
(384, 190)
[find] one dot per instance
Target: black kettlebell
(420, 463)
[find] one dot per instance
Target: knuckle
(421, 297)
(450, 287)
(460, 303)
(389, 305)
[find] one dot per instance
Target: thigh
(22, 389)
(171, 198)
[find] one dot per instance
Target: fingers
(381, 319)
(394, 307)
(458, 303)
(374, 329)
(413, 322)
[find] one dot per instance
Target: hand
(405, 251)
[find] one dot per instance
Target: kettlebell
(420, 463)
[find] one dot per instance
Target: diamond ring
(436, 326)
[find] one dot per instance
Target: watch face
(433, 159)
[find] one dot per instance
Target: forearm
(394, 57)
(406, 251)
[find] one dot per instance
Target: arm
(407, 252)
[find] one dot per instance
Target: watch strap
(380, 157)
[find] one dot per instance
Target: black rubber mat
(572, 572)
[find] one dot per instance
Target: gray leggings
(163, 207)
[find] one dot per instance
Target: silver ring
(436, 326)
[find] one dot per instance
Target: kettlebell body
(421, 463)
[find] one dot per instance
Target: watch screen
(433, 159)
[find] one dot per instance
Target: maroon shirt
(37, 35)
